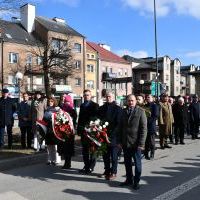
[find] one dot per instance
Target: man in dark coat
(194, 109)
(180, 113)
(152, 113)
(131, 137)
(110, 112)
(88, 111)
(7, 109)
(25, 121)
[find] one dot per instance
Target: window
(77, 48)
(177, 89)
(125, 72)
(90, 84)
(39, 60)
(13, 57)
(29, 59)
(120, 72)
(121, 86)
(167, 77)
(78, 64)
(177, 70)
(78, 81)
(110, 70)
(55, 45)
(88, 55)
(143, 76)
(11, 79)
(90, 68)
(167, 66)
(153, 76)
(39, 81)
(92, 56)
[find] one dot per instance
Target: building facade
(188, 82)
(112, 66)
(91, 71)
(24, 38)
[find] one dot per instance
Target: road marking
(179, 190)
(11, 195)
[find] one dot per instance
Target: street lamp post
(156, 50)
(19, 77)
(141, 82)
(2, 79)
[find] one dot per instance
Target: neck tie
(129, 112)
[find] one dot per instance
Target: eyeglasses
(86, 95)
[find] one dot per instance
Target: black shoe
(48, 163)
(152, 155)
(136, 186)
(162, 147)
(167, 146)
(66, 166)
(147, 158)
(126, 183)
(182, 143)
(85, 171)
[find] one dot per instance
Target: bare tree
(57, 60)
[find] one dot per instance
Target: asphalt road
(173, 174)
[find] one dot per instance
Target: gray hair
(181, 99)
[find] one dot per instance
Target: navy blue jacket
(7, 108)
(110, 112)
(151, 120)
(24, 112)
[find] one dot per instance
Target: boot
(67, 164)
(152, 154)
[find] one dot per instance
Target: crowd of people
(132, 128)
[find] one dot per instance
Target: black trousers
(149, 144)
(111, 156)
(26, 136)
(194, 127)
(89, 158)
(179, 131)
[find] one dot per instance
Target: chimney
(59, 20)
(27, 15)
(105, 46)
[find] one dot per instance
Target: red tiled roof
(106, 55)
(88, 47)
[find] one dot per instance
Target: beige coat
(37, 111)
(166, 119)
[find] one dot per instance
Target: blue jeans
(111, 156)
(135, 154)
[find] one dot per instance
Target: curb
(9, 164)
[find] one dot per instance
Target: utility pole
(156, 50)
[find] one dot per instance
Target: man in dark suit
(88, 111)
(194, 109)
(110, 113)
(131, 137)
(7, 109)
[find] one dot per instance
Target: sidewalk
(17, 157)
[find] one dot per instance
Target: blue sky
(127, 25)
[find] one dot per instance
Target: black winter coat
(86, 114)
(110, 112)
(180, 114)
(7, 108)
